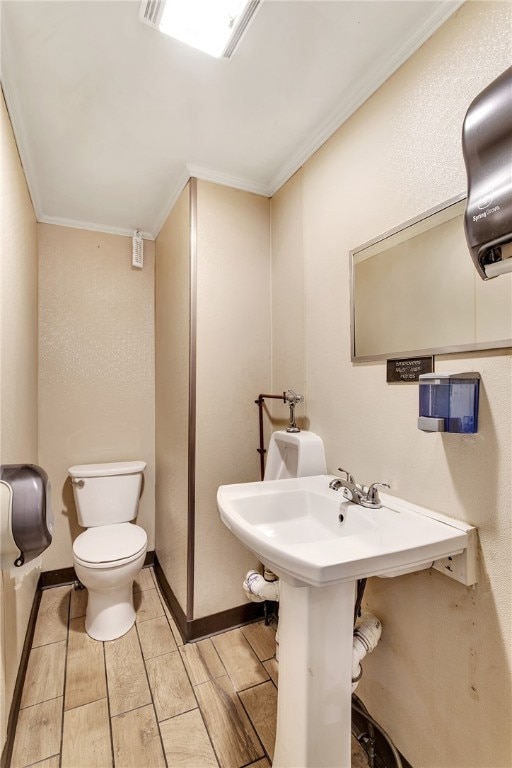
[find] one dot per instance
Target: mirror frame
(402, 353)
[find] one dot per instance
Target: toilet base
(110, 614)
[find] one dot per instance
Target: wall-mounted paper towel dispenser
(26, 521)
(487, 149)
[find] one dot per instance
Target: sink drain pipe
(258, 588)
(367, 634)
(367, 630)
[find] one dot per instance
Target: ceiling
(112, 117)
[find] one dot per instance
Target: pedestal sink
(320, 545)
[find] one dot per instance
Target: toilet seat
(109, 546)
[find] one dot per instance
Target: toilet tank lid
(107, 470)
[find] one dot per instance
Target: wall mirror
(415, 290)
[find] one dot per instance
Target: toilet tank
(106, 493)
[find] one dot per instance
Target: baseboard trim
(207, 625)
(5, 760)
(149, 560)
(189, 630)
(58, 578)
(220, 622)
(171, 600)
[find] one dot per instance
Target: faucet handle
(372, 500)
(350, 477)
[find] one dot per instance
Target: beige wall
(288, 305)
(218, 311)
(172, 337)
(233, 367)
(439, 680)
(96, 367)
(18, 384)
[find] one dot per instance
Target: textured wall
(233, 367)
(18, 385)
(232, 357)
(96, 367)
(172, 336)
(439, 681)
(288, 306)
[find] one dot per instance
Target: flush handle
(77, 483)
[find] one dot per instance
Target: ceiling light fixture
(213, 26)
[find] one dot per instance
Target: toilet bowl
(109, 555)
(107, 559)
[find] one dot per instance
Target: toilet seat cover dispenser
(108, 543)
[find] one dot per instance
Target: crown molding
(92, 226)
(217, 177)
(206, 174)
(355, 99)
(362, 93)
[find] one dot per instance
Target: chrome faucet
(371, 499)
(365, 496)
(351, 491)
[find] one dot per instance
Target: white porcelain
(294, 527)
(294, 454)
(315, 676)
(106, 545)
(110, 610)
(107, 493)
(109, 555)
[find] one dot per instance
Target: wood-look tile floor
(146, 700)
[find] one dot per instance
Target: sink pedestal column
(315, 676)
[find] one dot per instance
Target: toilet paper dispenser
(26, 522)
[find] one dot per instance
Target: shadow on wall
(431, 622)
(473, 466)
(443, 651)
(69, 510)
(68, 513)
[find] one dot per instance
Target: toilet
(294, 454)
(109, 555)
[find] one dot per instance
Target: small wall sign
(408, 369)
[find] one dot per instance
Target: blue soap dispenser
(449, 402)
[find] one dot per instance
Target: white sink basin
(294, 527)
